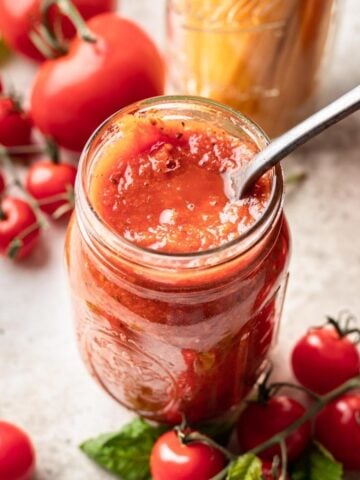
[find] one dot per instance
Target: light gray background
(44, 386)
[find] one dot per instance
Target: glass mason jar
(167, 334)
(261, 57)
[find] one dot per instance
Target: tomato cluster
(109, 64)
(48, 185)
(98, 63)
(322, 360)
(337, 427)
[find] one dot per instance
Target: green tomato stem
(275, 387)
(67, 8)
(61, 211)
(284, 460)
(55, 198)
(199, 437)
(266, 390)
(6, 161)
(23, 150)
(279, 438)
(275, 468)
(47, 49)
(52, 150)
(17, 242)
(342, 331)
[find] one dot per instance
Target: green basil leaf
(317, 464)
(125, 453)
(246, 467)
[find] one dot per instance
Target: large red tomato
(72, 95)
(19, 17)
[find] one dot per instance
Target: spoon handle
(301, 133)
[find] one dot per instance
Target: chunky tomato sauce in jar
(177, 285)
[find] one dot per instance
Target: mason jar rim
(98, 234)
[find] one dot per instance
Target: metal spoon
(290, 140)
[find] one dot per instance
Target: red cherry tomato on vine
(51, 184)
(322, 360)
(337, 427)
(15, 124)
(19, 231)
(73, 94)
(259, 422)
(17, 456)
(170, 459)
(2, 183)
(19, 17)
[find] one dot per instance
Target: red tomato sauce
(168, 342)
(171, 191)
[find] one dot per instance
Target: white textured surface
(43, 384)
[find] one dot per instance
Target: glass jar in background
(176, 334)
(261, 57)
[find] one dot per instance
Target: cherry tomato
(15, 124)
(94, 80)
(259, 422)
(46, 181)
(2, 183)
(337, 427)
(322, 360)
(18, 222)
(170, 459)
(17, 456)
(19, 17)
